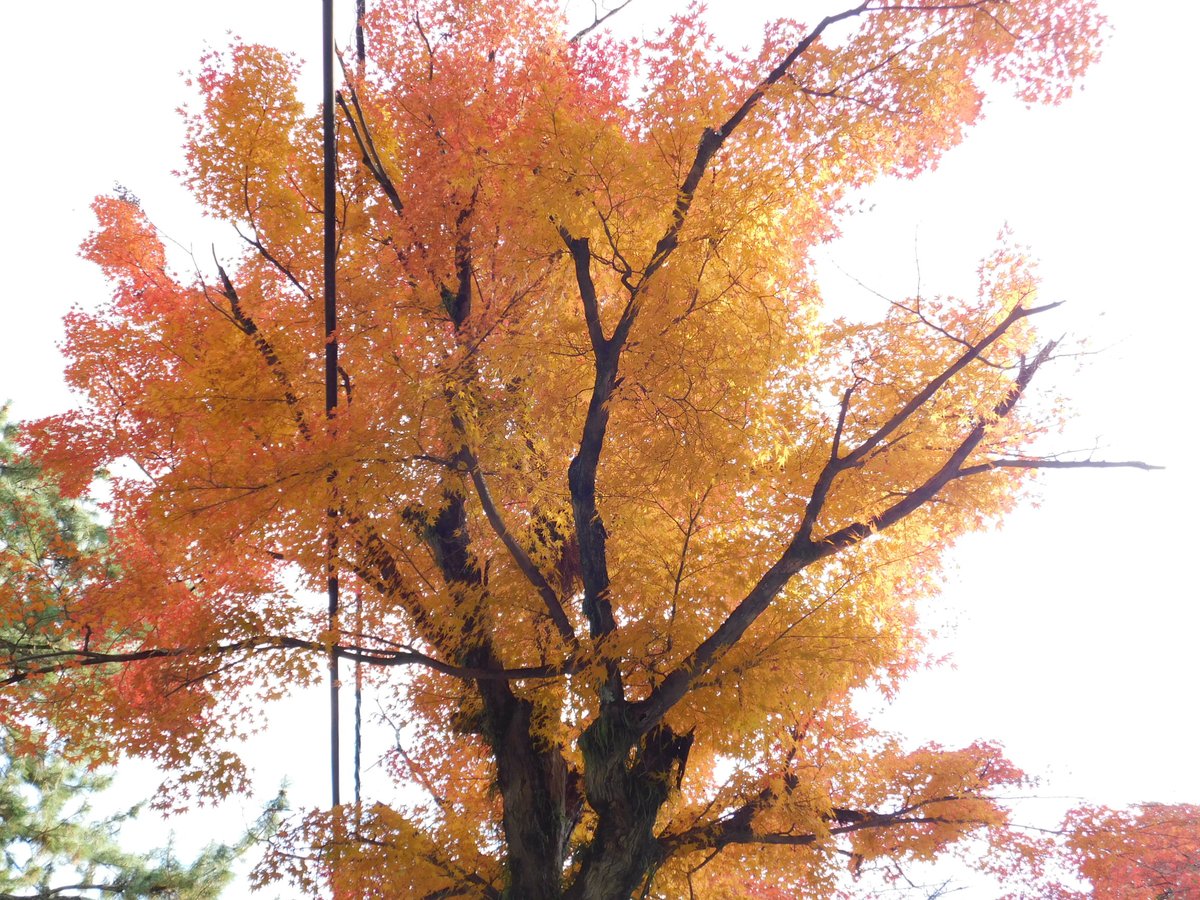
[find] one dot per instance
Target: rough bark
(627, 794)
(541, 796)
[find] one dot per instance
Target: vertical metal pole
(361, 53)
(331, 392)
(360, 40)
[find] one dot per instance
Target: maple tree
(630, 517)
(1152, 850)
(50, 843)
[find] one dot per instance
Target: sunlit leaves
(1152, 850)
(530, 227)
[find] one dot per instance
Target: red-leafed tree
(1152, 850)
(629, 518)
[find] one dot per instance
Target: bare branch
(599, 20)
(990, 465)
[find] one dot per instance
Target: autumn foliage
(629, 515)
(1152, 850)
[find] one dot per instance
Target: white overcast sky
(1076, 637)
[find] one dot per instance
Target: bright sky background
(1076, 637)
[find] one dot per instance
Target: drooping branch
(56, 661)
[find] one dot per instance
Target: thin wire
(358, 706)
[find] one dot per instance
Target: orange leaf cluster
(636, 514)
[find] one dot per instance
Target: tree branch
(858, 455)
(366, 146)
(993, 464)
(380, 569)
(712, 139)
(71, 659)
(581, 474)
(803, 552)
(248, 327)
(737, 827)
(582, 471)
(581, 255)
(869, 821)
(598, 21)
(934, 385)
(266, 254)
(519, 556)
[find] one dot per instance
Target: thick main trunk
(627, 796)
(542, 799)
(627, 777)
(541, 795)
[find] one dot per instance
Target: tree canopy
(628, 517)
(51, 845)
